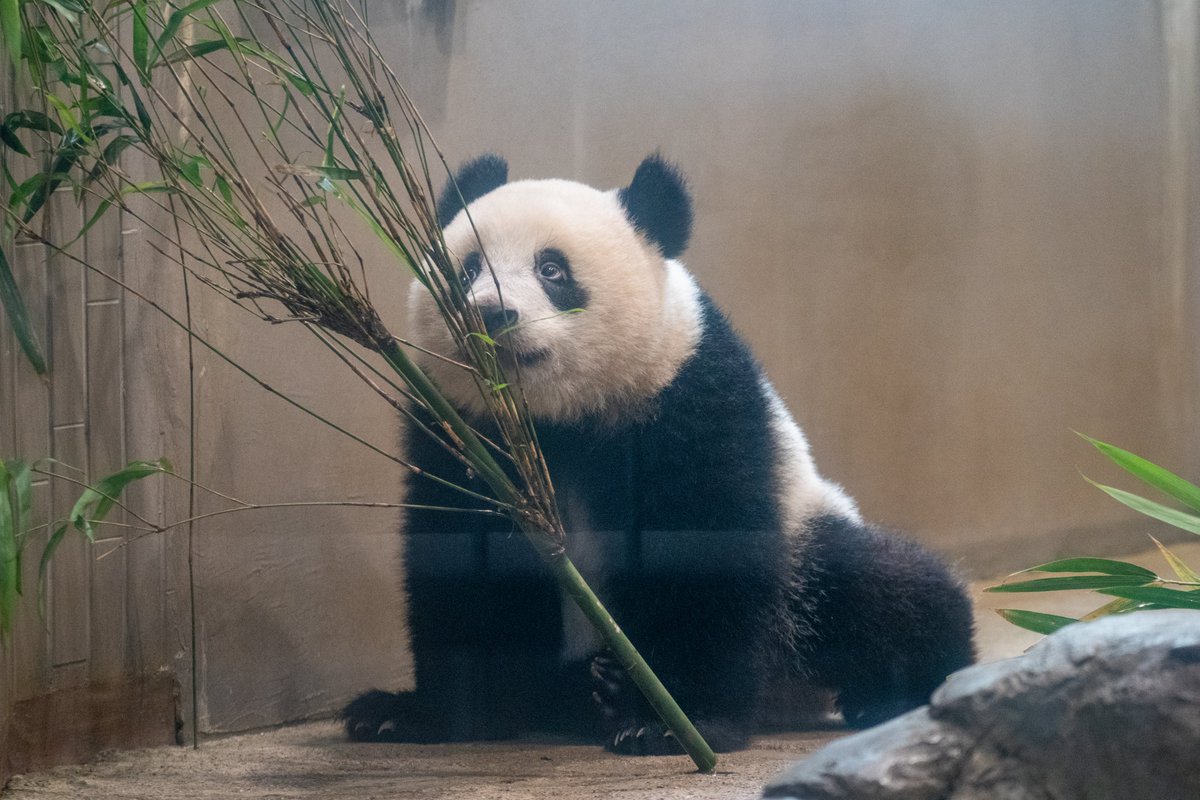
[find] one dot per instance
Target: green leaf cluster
(1133, 586)
(86, 123)
(16, 521)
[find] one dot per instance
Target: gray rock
(1106, 710)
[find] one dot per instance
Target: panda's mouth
(522, 358)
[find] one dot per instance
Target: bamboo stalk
(248, 257)
(568, 577)
(656, 694)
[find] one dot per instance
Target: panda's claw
(650, 739)
(391, 717)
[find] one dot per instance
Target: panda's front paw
(377, 716)
(636, 738)
(613, 692)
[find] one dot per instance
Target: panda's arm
(483, 613)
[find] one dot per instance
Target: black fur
(566, 294)
(658, 205)
(473, 180)
(886, 620)
(685, 493)
(679, 505)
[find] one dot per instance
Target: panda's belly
(591, 551)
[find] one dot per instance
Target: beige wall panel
(106, 445)
(299, 608)
(947, 230)
(939, 226)
(157, 425)
(105, 390)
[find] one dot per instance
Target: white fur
(804, 493)
(590, 552)
(641, 322)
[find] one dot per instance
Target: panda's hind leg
(882, 620)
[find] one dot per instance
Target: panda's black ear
(659, 206)
(474, 179)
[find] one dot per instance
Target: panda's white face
(595, 321)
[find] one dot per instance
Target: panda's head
(583, 296)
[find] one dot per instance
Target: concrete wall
(953, 232)
(947, 229)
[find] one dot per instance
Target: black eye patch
(471, 266)
(554, 272)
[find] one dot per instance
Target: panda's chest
(594, 553)
(595, 476)
(597, 504)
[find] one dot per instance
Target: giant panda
(690, 500)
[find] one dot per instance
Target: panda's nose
(497, 320)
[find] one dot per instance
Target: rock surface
(1106, 709)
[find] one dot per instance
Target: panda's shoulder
(721, 364)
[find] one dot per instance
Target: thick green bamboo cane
(656, 694)
(560, 565)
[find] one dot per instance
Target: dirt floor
(314, 761)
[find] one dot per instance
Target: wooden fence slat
(30, 649)
(31, 393)
(68, 326)
(69, 596)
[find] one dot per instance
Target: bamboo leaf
(141, 41)
(1158, 595)
(1181, 570)
(10, 26)
(18, 316)
(1171, 516)
(197, 50)
(1102, 565)
(1075, 582)
(1035, 620)
(9, 566)
(23, 492)
(177, 18)
(68, 9)
(9, 137)
(1161, 479)
(44, 184)
(112, 153)
(32, 120)
(1119, 606)
(381, 234)
(332, 173)
(255, 50)
(22, 485)
(190, 169)
(44, 562)
(66, 115)
(97, 500)
(104, 206)
(222, 186)
(139, 107)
